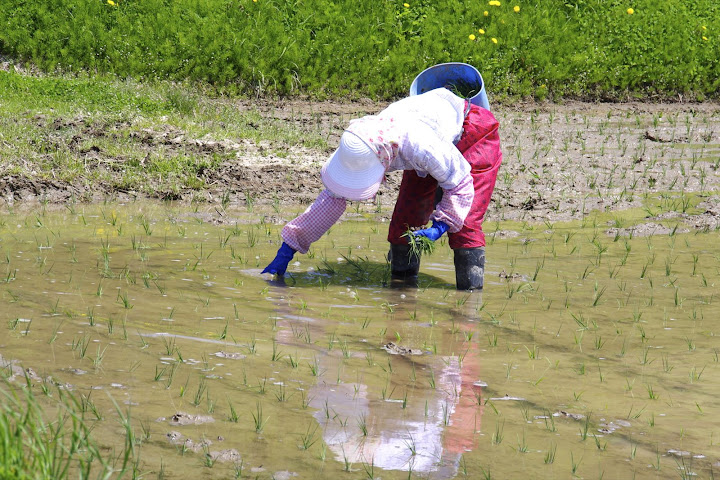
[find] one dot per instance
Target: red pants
(480, 145)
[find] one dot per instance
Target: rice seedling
(159, 372)
(419, 245)
(498, 435)
(281, 393)
(315, 369)
(309, 438)
(146, 225)
(200, 392)
(695, 374)
(277, 354)
(652, 394)
(362, 424)
(293, 360)
(347, 465)
(385, 394)
(522, 446)
(508, 369)
(258, 420)
(550, 454)
(124, 300)
(55, 332)
(252, 345)
(169, 344)
(532, 353)
(370, 358)
(345, 349)
(80, 345)
(208, 459)
(410, 444)
(598, 293)
(369, 469)
(99, 356)
(88, 405)
(549, 421)
(262, 385)
(584, 431)
(573, 464)
(656, 465)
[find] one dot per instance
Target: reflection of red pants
(460, 435)
(480, 145)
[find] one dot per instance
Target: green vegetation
(586, 48)
(33, 446)
(464, 89)
(419, 245)
(157, 138)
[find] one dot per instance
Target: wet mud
(561, 161)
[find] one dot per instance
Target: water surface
(589, 353)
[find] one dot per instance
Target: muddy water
(590, 353)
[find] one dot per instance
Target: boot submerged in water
(404, 266)
(469, 268)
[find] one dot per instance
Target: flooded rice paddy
(591, 353)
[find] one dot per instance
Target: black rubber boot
(404, 266)
(469, 268)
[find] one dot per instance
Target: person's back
(440, 109)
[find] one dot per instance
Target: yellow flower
(704, 27)
(494, 3)
(482, 32)
(406, 5)
(471, 37)
(486, 13)
(516, 8)
(494, 40)
(630, 11)
(704, 38)
(111, 3)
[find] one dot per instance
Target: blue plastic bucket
(442, 74)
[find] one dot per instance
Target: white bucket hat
(354, 171)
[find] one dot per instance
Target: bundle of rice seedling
(419, 245)
(464, 89)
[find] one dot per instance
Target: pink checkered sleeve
(309, 226)
(455, 205)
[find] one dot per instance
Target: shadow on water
(360, 272)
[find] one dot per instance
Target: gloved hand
(433, 233)
(280, 263)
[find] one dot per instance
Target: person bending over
(449, 151)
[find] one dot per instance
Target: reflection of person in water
(460, 435)
(428, 436)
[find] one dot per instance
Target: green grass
(32, 445)
(156, 138)
(589, 48)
